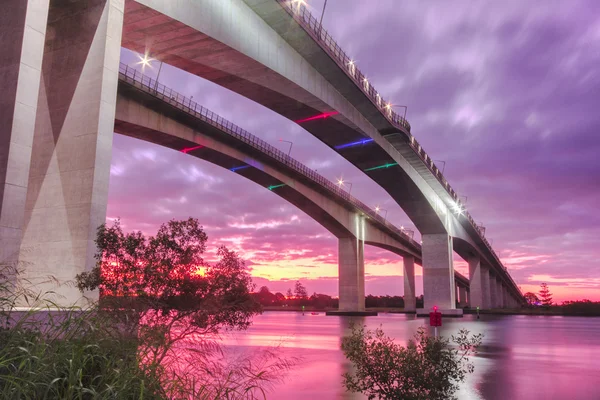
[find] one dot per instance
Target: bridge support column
(22, 34)
(493, 294)
(410, 301)
(438, 275)
(462, 294)
(499, 293)
(479, 295)
(72, 144)
(351, 266)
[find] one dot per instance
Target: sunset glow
(516, 134)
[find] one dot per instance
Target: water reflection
(522, 357)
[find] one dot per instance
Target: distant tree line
(543, 300)
(299, 297)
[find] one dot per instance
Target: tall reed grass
(53, 352)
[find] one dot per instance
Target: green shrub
(426, 369)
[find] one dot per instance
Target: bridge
(148, 110)
(61, 74)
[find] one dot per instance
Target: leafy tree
(531, 298)
(545, 295)
(426, 369)
(163, 284)
(289, 294)
(300, 291)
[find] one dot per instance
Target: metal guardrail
(312, 26)
(152, 87)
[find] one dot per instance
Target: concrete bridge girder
(135, 119)
(67, 184)
(261, 64)
(353, 230)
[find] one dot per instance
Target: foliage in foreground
(155, 334)
(426, 369)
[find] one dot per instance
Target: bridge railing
(312, 26)
(154, 88)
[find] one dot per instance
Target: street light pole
(405, 110)
(341, 183)
(322, 14)
(444, 166)
(377, 209)
(291, 144)
(158, 76)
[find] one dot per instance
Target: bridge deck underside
(192, 50)
(188, 49)
(255, 173)
(226, 161)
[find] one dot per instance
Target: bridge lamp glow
(299, 3)
(145, 60)
(458, 209)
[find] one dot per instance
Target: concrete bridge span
(152, 112)
(60, 74)
(274, 52)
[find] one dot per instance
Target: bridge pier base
(72, 145)
(410, 300)
(479, 276)
(493, 294)
(462, 294)
(502, 294)
(438, 276)
(351, 269)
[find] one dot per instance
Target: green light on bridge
(381, 166)
(275, 186)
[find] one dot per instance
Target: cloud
(505, 93)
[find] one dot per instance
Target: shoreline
(385, 310)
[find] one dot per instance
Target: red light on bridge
(188, 149)
(320, 116)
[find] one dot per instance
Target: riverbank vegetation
(297, 299)
(427, 368)
(542, 304)
(155, 334)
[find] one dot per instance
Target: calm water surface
(522, 357)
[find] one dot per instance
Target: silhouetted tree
(163, 283)
(279, 298)
(531, 298)
(545, 295)
(300, 291)
(289, 294)
(265, 297)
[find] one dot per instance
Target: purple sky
(506, 93)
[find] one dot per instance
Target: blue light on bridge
(357, 143)
(238, 168)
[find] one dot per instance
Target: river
(522, 357)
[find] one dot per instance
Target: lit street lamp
(341, 183)
(377, 209)
(146, 62)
